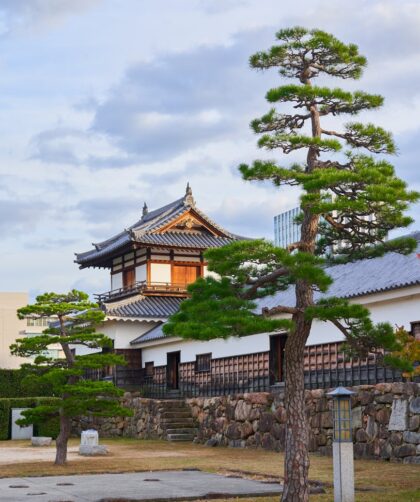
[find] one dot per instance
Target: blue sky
(107, 103)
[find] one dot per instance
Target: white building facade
(153, 261)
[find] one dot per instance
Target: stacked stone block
(386, 421)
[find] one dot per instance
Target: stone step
(175, 414)
(178, 425)
(164, 411)
(177, 420)
(173, 404)
(181, 437)
(182, 430)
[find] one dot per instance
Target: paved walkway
(152, 486)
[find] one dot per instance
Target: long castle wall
(386, 421)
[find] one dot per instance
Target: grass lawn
(375, 481)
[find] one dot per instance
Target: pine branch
(280, 309)
(270, 278)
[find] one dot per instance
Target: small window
(150, 369)
(202, 362)
(415, 329)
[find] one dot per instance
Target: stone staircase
(176, 421)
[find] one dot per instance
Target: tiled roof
(363, 277)
(156, 333)
(144, 232)
(183, 239)
(146, 307)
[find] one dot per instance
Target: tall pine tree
(79, 396)
(349, 202)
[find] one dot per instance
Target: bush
(48, 428)
(20, 383)
(4, 418)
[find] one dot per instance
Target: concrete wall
(10, 327)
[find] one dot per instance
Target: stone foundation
(144, 424)
(386, 421)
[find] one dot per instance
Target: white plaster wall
(141, 273)
(218, 348)
(116, 281)
(160, 272)
(123, 332)
(395, 311)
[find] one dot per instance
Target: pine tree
(349, 202)
(78, 396)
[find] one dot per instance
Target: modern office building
(286, 230)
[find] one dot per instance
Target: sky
(105, 104)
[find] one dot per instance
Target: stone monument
(89, 444)
(41, 441)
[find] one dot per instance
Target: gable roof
(152, 230)
(156, 333)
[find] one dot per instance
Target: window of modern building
(39, 321)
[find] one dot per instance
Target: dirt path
(23, 452)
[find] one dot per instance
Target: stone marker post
(343, 445)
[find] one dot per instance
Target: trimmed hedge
(4, 418)
(48, 428)
(17, 383)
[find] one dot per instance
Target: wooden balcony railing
(143, 287)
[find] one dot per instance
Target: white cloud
(18, 14)
(104, 107)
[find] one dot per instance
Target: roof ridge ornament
(189, 199)
(145, 209)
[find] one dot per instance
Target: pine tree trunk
(62, 440)
(296, 463)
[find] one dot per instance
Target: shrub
(48, 427)
(4, 418)
(19, 383)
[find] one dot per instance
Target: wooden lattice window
(202, 362)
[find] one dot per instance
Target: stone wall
(145, 423)
(386, 421)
